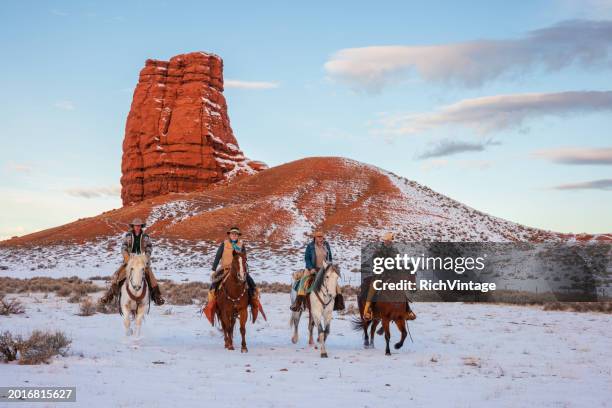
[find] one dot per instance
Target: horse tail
(358, 323)
(119, 301)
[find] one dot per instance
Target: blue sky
(523, 134)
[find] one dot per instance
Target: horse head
(239, 265)
(327, 277)
(332, 274)
(135, 271)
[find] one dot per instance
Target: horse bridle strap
(132, 296)
(317, 292)
(238, 298)
(321, 300)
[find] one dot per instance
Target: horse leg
(140, 310)
(385, 323)
(126, 319)
(373, 331)
(225, 328)
(244, 314)
(366, 339)
(295, 323)
(230, 332)
(401, 325)
(311, 325)
(321, 331)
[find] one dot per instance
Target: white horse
(134, 293)
(320, 303)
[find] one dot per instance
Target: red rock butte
(178, 136)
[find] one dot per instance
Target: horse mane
(318, 282)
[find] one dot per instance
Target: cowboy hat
(234, 229)
(388, 236)
(137, 221)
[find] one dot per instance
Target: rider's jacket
(310, 257)
(133, 244)
(224, 253)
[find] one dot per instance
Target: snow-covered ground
(463, 355)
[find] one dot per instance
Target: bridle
(327, 295)
(241, 277)
(141, 287)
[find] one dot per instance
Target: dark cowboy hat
(137, 221)
(234, 229)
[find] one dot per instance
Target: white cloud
(64, 105)
(434, 164)
(588, 8)
(603, 184)
(252, 85)
(18, 168)
(475, 164)
(499, 112)
(448, 147)
(577, 42)
(577, 155)
(95, 192)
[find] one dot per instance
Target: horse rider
(135, 241)
(385, 250)
(317, 252)
(223, 261)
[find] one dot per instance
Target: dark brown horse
(386, 312)
(233, 301)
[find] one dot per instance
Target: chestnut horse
(233, 301)
(386, 312)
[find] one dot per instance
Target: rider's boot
(339, 299)
(367, 311)
(157, 297)
(110, 293)
(298, 304)
(209, 309)
(339, 302)
(256, 306)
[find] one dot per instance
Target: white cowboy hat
(137, 221)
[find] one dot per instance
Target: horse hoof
(244, 350)
(294, 340)
(230, 347)
(387, 353)
(323, 355)
(398, 346)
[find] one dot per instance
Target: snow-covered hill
(277, 209)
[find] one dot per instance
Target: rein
(138, 299)
(325, 304)
(244, 288)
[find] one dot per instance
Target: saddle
(303, 275)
